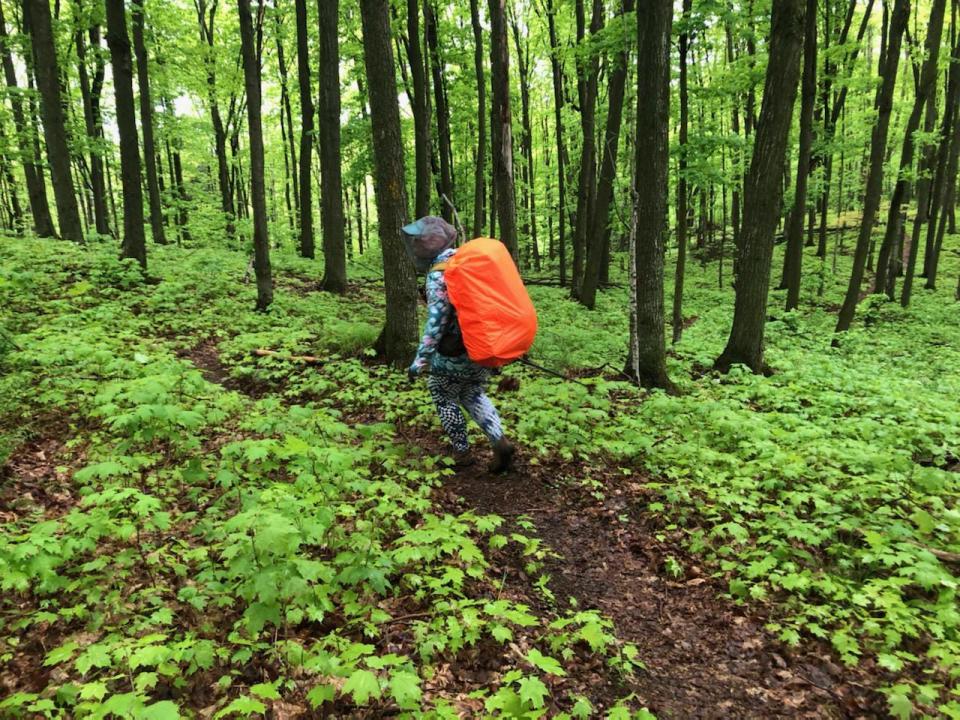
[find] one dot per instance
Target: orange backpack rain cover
(497, 318)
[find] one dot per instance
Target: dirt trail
(705, 657)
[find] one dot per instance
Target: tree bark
(480, 166)
(557, 72)
(328, 117)
(258, 196)
(526, 145)
(206, 14)
(146, 124)
(647, 361)
(397, 341)
(924, 93)
(287, 112)
(90, 96)
(808, 98)
(600, 227)
(306, 131)
(878, 145)
(501, 127)
(444, 144)
(32, 168)
(588, 71)
(46, 69)
(763, 190)
(681, 221)
(421, 111)
(134, 243)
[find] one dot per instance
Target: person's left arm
(439, 312)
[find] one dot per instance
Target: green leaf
(545, 663)
(405, 689)
(900, 705)
(533, 691)
(243, 705)
(321, 694)
(60, 654)
(164, 710)
(363, 685)
(268, 691)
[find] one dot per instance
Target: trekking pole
(456, 217)
(554, 373)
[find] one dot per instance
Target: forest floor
(189, 529)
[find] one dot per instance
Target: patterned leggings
(449, 393)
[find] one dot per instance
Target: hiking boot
(463, 458)
(503, 451)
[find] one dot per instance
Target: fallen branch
(305, 359)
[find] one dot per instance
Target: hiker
(454, 379)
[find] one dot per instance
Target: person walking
(454, 380)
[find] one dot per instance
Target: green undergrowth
(261, 541)
(230, 554)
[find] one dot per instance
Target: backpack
(497, 319)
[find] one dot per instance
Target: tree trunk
(681, 218)
(134, 243)
(763, 189)
(480, 167)
(219, 131)
(526, 145)
(878, 145)
(557, 72)
(32, 168)
(90, 95)
(421, 110)
(286, 111)
(501, 129)
(951, 118)
(37, 18)
(146, 124)
(444, 144)
(258, 196)
(600, 227)
(808, 98)
(647, 361)
(588, 71)
(735, 161)
(397, 341)
(328, 117)
(924, 93)
(306, 131)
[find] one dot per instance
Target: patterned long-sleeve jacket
(441, 319)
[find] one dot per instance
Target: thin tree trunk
(878, 144)
(557, 72)
(286, 111)
(90, 96)
(588, 71)
(397, 340)
(681, 218)
(146, 124)
(924, 93)
(134, 241)
(258, 197)
(32, 169)
(37, 18)
(206, 14)
(328, 117)
(600, 229)
(501, 129)
(763, 188)
(808, 98)
(421, 110)
(480, 169)
(647, 353)
(443, 112)
(306, 131)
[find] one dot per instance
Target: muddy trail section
(705, 657)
